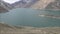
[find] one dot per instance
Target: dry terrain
(41, 4)
(5, 29)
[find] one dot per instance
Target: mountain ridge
(34, 4)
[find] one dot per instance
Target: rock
(3, 10)
(6, 29)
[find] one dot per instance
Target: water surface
(30, 17)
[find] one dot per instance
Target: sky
(10, 1)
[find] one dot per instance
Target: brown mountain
(47, 4)
(40, 4)
(54, 5)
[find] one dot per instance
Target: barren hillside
(35, 4)
(42, 4)
(54, 5)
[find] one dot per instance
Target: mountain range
(24, 4)
(35, 4)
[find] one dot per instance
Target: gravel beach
(6, 29)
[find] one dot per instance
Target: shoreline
(6, 29)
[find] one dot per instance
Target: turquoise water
(30, 17)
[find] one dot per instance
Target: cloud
(11, 1)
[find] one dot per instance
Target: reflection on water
(30, 17)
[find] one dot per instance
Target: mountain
(42, 4)
(54, 5)
(24, 3)
(20, 4)
(47, 4)
(2, 8)
(35, 4)
(7, 5)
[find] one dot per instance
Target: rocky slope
(42, 4)
(54, 5)
(7, 5)
(24, 3)
(36, 4)
(3, 7)
(20, 4)
(47, 4)
(6, 29)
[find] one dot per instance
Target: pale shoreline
(5, 29)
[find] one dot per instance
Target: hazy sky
(10, 1)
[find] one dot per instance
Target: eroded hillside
(42, 4)
(54, 5)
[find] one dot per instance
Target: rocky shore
(6, 29)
